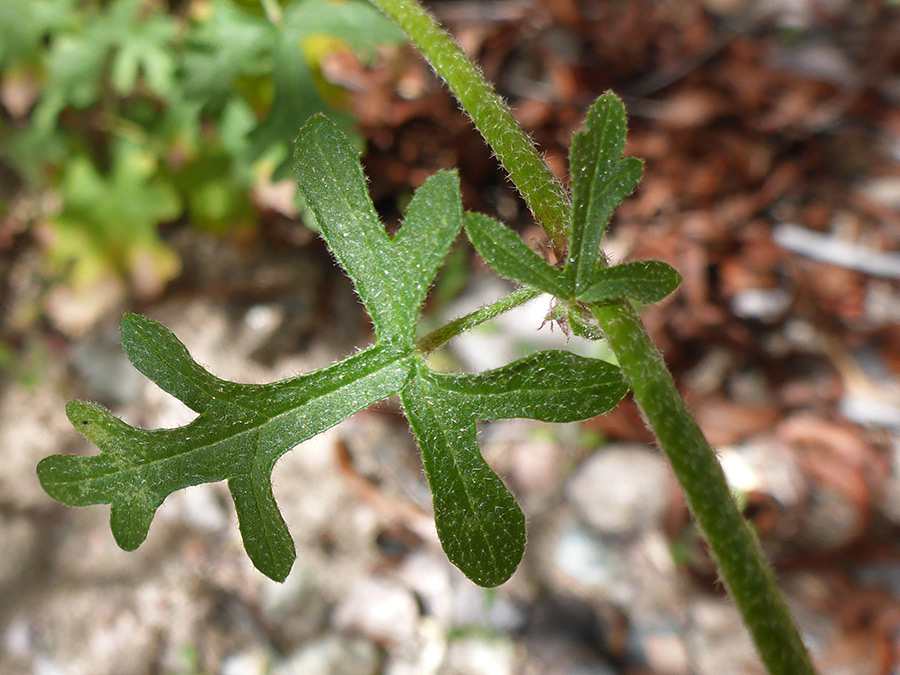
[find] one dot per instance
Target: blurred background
(143, 149)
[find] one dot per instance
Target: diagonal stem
(517, 153)
(439, 336)
(733, 543)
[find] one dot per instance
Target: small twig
(829, 249)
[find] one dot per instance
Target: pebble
(380, 609)
(477, 607)
(250, 662)
(480, 656)
(718, 641)
(332, 655)
(621, 490)
(585, 560)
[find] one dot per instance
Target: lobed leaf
(601, 179)
(235, 43)
(241, 432)
(229, 44)
(479, 523)
(645, 280)
(242, 429)
(128, 36)
(391, 276)
(109, 221)
(353, 24)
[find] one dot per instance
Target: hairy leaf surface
(508, 256)
(601, 179)
(240, 433)
(479, 523)
(242, 429)
(644, 280)
(135, 37)
(391, 275)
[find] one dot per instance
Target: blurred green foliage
(138, 112)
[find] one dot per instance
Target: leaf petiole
(440, 336)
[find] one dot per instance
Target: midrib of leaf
(192, 377)
(262, 421)
(258, 499)
(242, 429)
(583, 258)
(459, 474)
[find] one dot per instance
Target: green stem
(517, 153)
(734, 546)
(439, 336)
(731, 539)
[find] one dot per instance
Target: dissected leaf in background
(236, 43)
(109, 220)
(129, 38)
(25, 25)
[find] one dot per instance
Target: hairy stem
(517, 153)
(731, 539)
(439, 336)
(741, 564)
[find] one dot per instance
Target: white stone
(621, 490)
(380, 609)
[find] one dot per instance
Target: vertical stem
(517, 153)
(734, 546)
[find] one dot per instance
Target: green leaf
(391, 275)
(645, 280)
(231, 43)
(240, 433)
(217, 180)
(242, 429)
(146, 48)
(137, 40)
(25, 25)
(234, 44)
(508, 256)
(353, 24)
(479, 523)
(551, 386)
(109, 221)
(580, 322)
(601, 179)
